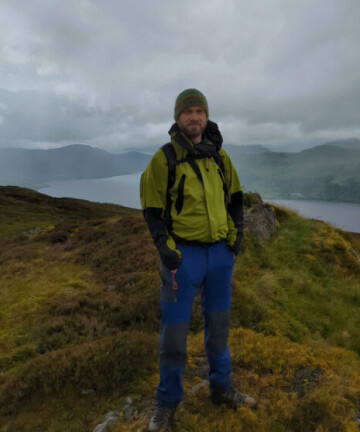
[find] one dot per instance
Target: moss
(251, 198)
(103, 365)
(80, 312)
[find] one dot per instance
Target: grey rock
(353, 252)
(110, 420)
(193, 390)
(99, 428)
(260, 222)
(129, 413)
(357, 417)
(111, 415)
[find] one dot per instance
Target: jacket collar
(211, 136)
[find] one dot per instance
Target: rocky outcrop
(112, 418)
(259, 218)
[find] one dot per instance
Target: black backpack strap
(191, 161)
(170, 154)
(219, 162)
(221, 168)
(221, 171)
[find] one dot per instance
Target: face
(192, 122)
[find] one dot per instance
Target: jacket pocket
(180, 195)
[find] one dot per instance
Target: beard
(192, 130)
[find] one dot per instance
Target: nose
(194, 116)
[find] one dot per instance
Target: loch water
(124, 190)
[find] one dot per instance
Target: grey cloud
(35, 117)
(108, 72)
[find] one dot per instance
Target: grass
(305, 283)
(26, 288)
(79, 322)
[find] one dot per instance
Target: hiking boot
(232, 398)
(160, 420)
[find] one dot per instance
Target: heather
(79, 322)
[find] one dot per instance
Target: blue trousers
(209, 269)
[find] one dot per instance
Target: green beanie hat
(188, 98)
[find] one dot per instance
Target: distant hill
(328, 172)
(17, 166)
(238, 150)
(351, 143)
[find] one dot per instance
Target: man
(192, 202)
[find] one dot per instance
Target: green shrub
(112, 363)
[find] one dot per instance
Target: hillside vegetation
(79, 323)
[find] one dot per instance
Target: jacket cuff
(235, 248)
(172, 262)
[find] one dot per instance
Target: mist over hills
(352, 143)
(328, 172)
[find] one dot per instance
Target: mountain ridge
(75, 161)
(326, 172)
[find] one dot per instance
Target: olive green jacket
(200, 212)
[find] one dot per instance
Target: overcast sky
(107, 72)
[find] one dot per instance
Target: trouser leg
(216, 299)
(176, 308)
